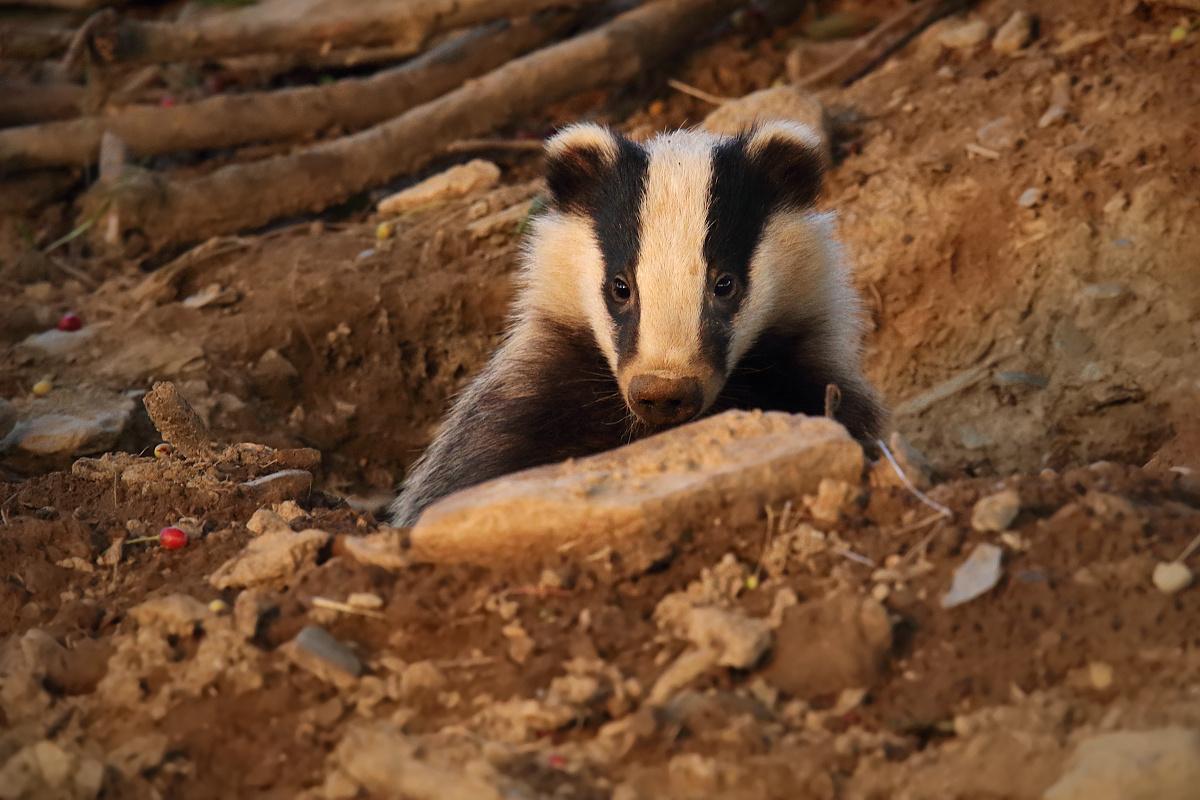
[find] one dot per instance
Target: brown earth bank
(1025, 230)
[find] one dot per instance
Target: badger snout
(665, 401)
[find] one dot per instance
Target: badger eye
(620, 290)
(724, 286)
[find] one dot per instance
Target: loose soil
(1048, 349)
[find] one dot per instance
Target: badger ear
(791, 157)
(578, 158)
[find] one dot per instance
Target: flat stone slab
(630, 504)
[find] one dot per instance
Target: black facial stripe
(615, 214)
(740, 201)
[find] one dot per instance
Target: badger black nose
(665, 401)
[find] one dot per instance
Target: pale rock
(384, 548)
(832, 498)
(1161, 764)
(139, 754)
(1171, 577)
(976, 576)
(1030, 198)
(319, 652)
(458, 181)
(776, 103)
(996, 512)
(55, 763)
(267, 521)
(1060, 101)
(87, 430)
(682, 671)
(636, 500)
(422, 677)
(174, 614)
(55, 343)
(738, 640)
(289, 511)
(1014, 34)
(964, 35)
(270, 559)
(999, 134)
(384, 761)
(1079, 41)
(506, 220)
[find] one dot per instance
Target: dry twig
(234, 119)
(247, 196)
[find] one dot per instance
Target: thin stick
(853, 556)
(346, 608)
(924, 498)
(1187, 551)
(865, 43)
(699, 94)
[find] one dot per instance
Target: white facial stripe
(564, 276)
(583, 135)
(797, 277)
(671, 274)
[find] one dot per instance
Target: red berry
(172, 538)
(167, 101)
(70, 322)
(557, 761)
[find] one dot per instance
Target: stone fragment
(271, 558)
(384, 548)
(505, 220)
(996, 512)
(176, 614)
(825, 646)
(999, 134)
(289, 511)
(1014, 34)
(1171, 577)
(1060, 101)
(738, 640)
(964, 35)
(1030, 197)
(139, 754)
(458, 181)
(319, 652)
(776, 103)
(832, 499)
(976, 576)
(267, 521)
(682, 671)
(384, 761)
(1161, 764)
(55, 343)
(1079, 41)
(634, 501)
(287, 484)
(420, 678)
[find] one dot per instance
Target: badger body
(672, 279)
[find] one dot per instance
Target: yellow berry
(42, 387)
(384, 231)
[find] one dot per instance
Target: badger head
(678, 254)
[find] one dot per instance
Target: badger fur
(669, 280)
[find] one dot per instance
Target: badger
(668, 280)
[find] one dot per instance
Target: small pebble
(1171, 577)
(964, 36)
(163, 450)
(996, 512)
(1029, 198)
(977, 575)
(1014, 34)
(319, 643)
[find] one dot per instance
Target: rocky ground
(1025, 223)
